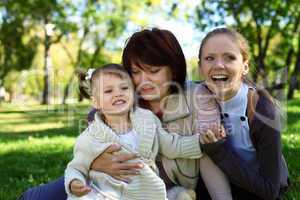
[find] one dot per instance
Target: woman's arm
(265, 182)
(115, 165)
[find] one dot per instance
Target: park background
(45, 43)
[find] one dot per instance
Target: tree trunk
(288, 60)
(47, 70)
(47, 67)
(80, 97)
(261, 72)
(295, 75)
(76, 64)
(67, 89)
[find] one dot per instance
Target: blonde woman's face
(222, 66)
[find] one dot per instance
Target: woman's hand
(115, 165)
(78, 188)
(212, 136)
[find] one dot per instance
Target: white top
(238, 103)
(236, 124)
(131, 139)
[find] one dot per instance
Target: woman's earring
(246, 68)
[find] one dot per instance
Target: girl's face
(222, 66)
(152, 82)
(113, 95)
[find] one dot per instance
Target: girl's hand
(78, 188)
(115, 165)
(212, 136)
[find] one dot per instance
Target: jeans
(51, 191)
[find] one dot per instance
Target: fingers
(79, 189)
(104, 161)
(211, 137)
(124, 157)
(220, 132)
(128, 173)
(131, 166)
(125, 175)
(113, 148)
(205, 139)
(82, 191)
(208, 137)
(76, 184)
(127, 169)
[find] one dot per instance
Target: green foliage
(271, 27)
(15, 53)
(87, 32)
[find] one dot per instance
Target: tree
(19, 18)
(17, 48)
(102, 22)
(261, 22)
(51, 15)
(296, 73)
(94, 25)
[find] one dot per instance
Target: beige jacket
(181, 116)
(153, 140)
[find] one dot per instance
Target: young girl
(137, 130)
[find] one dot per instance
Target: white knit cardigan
(153, 140)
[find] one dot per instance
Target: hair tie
(89, 73)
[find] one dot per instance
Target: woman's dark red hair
(155, 47)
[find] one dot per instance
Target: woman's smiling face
(222, 65)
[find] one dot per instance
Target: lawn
(36, 144)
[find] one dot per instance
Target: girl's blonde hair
(86, 87)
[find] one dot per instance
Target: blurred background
(45, 43)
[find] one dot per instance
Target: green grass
(291, 147)
(36, 144)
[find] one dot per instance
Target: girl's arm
(174, 146)
(86, 149)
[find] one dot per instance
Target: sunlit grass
(36, 144)
(291, 147)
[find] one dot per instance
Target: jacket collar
(176, 107)
(104, 132)
(141, 123)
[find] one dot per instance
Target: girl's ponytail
(84, 85)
